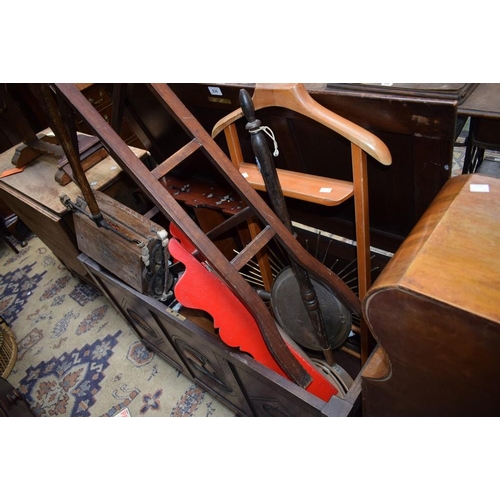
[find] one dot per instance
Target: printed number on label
(215, 90)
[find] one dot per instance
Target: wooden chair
(326, 191)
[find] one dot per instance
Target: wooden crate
(120, 252)
(186, 339)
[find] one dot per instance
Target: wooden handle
(273, 187)
(248, 109)
(61, 131)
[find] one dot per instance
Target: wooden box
(187, 341)
(123, 250)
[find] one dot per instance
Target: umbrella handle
(267, 169)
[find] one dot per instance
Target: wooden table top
(38, 183)
(484, 102)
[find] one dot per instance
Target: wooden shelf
(314, 188)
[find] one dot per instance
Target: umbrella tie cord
(268, 131)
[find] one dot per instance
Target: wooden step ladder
(227, 271)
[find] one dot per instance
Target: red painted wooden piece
(198, 288)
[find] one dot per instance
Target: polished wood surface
(434, 310)
(451, 255)
(312, 188)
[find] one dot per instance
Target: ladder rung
(171, 162)
(228, 224)
(151, 213)
(307, 187)
(253, 247)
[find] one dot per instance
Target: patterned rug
(76, 356)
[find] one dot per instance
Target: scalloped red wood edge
(198, 288)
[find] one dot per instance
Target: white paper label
(325, 190)
(124, 413)
(215, 90)
(480, 188)
(244, 174)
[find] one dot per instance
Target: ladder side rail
(167, 204)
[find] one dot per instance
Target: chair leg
(362, 221)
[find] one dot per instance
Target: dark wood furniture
(435, 312)
(136, 169)
(484, 102)
(186, 339)
(100, 95)
(21, 114)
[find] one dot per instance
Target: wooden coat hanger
(294, 96)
